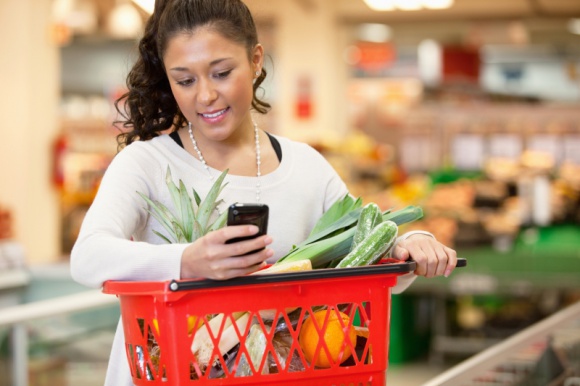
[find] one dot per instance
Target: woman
(199, 67)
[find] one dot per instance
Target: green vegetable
(322, 252)
(373, 247)
(335, 213)
(405, 215)
(341, 216)
(329, 242)
(370, 216)
(188, 224)
(326, 240)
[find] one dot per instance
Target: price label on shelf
(505, 146)
(467, 151)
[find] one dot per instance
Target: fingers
(400, 253)
(234, 231)
(432, 257)
(451, 262)
(235, 266)
(240, 248)
(211, 257)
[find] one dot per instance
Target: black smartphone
(255, 214)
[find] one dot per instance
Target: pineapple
(188, 224)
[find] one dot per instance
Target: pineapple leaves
(192, 216)
(197, 198)
(161, 214)
(220, 222)
(173, 191)
(207, 206)
(197, 230)
(162, 236)
(187, 213)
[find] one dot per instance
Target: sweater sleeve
(105, 248)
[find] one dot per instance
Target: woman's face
(211, 78)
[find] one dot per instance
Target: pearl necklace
(258, 157)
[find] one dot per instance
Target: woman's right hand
(210, 257)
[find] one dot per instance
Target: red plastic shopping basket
(164, 322)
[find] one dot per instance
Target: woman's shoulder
(153, 144)
(155, 147)
(145, 155)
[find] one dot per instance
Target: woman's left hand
(432, 257)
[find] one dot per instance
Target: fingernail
(447, 273)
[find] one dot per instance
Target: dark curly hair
(149, 107)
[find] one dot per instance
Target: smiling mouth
(216, 114)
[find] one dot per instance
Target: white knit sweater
(116, 240)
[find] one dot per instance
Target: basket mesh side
(183, 340)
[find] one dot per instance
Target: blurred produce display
(482, 172)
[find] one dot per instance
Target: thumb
(400, 253)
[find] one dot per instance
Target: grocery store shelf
(53, 307)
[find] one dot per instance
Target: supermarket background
(472, 112)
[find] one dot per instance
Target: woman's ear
(258, 58)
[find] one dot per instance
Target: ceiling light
(409, 5)
(406, 5)
(381, 5)
(438, 4)
(146, 5)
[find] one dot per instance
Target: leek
(337, 210)
(326, 245)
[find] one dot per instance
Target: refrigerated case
(544, 354)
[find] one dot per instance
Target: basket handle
(398, 268)
(325, 273)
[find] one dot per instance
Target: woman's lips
(214, 116)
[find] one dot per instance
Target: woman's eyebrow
(212, 63)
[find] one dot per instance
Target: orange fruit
(333, 335)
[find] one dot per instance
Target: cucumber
(369, 251)
(369, 217)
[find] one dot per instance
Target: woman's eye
(223, 74)
(185, 82)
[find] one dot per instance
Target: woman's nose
(207, 93)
